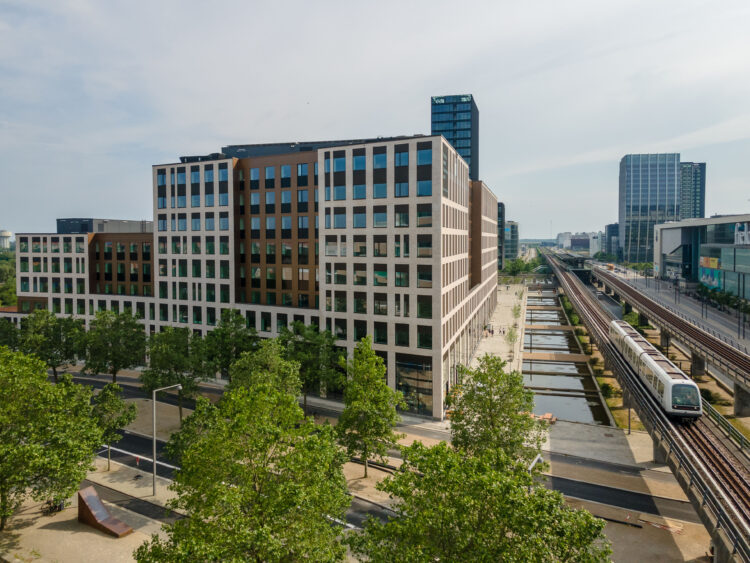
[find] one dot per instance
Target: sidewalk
(502, 321)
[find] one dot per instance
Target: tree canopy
(111, 414)
(176, 356)
(228, 341)
(366, 425)
(115, 341)
(259, 481)
(453, 507)
(317, 356)
(490, 413)
(47, 433)
(54, 340)
(266, 366)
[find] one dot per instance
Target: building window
(379, 191)
(209, 195)
(380, 275)
(401, 189)
(401, 158)
(424, 188)
(359, 218)
(286, 176)
(339, 192)
(424, 307)
(424, 337)
(210, 222)
(195, 221)
(379, 217)
(339, 218)
(302, 172)
(359, 191)
(360, 274)
(402, 275)
(424, 215)
(401, 215)
(424, 276)
(424, 246)
(270, 175)
(223, 221)
(424, 156)
(162, 223)
(360, 246)
(358, 162)
(380, 333)
(379, 246)
(254, 178)
(339, 164)
(339, 302)
(339, 274)
(380, 304)
(379, 160)
(181, 222)
(360, 330)
(402, 334)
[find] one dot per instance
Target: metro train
(677, 394)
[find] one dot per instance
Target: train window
(685, 395)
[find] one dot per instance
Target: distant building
(500, 235)
(5, 240)
(693, 190)
(650, 186)
(611, 233)
(457, 119)
(77, 226)
(595, 242)
(511, 241)
(713, 251)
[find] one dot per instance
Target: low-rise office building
(382, 237)
(714, 251)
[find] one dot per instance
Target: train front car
(675, 392)
(684, 401)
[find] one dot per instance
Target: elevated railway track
(713, 479)
(734, 362)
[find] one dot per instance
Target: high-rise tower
(457, 119)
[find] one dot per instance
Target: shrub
(607, 390)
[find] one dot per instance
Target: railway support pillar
(741, 401)
(642, 319)
(660, 455)
(664, 339)
(626, 308)
(616, 296)
(697, 365)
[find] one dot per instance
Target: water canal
(554, 367)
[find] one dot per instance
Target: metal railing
(726, 426)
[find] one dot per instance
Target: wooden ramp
(91, 511)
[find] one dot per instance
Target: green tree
(115, 341)
(490, 414)
(229, 340)
(366, 425)
(112, 413)
(54, 340)
(8, 334)
(266, 366)
(317, 356)
(456, 508)
(176, 356)
(259, 481)
(47, 433)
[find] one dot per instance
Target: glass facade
(693, 190)
(457, 119)
(650, 186)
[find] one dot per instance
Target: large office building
(382, 237)
(714, 251)
(500, 235)
(654, 189)
(511, 241)
(650, 186)
(693, 190)
(457, 119)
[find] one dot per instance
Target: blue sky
(93, 93)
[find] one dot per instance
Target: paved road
(628, 500)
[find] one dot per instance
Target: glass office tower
(500, 235)
(649, 194)
(457, 119)
(693, 197)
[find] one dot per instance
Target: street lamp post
(153, 420)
